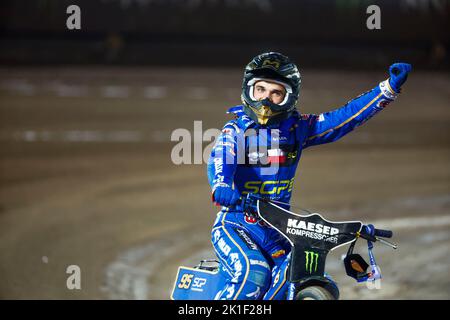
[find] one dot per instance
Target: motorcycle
(311, 238)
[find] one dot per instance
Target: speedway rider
(258, 152)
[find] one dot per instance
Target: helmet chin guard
(264, 113)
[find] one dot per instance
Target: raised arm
(331, 126)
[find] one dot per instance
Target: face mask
(265, 111)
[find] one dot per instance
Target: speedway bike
(311, 238)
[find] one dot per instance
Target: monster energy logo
(311, 261)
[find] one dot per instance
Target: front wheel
(314, 293)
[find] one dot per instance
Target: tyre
(314, 293)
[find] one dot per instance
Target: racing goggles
(263, 104)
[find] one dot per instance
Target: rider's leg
(279, 255)
(247, 271)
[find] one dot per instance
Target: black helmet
(274, 67)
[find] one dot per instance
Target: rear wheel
(314, 293)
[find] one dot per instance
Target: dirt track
(87, 179)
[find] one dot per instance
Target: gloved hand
(225, 195)
(398, 73)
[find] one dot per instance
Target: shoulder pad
(235, 110)
(242, 121)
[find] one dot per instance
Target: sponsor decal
(237, 266)
(185, 281)
(386, 90)
(321, 118)
(311, 259)
(271, 63)
(275, 152)
(198, 283)
(292, 155)
(246, 118)
(230, 291)
(254, 294)
(268, 187)
(247, 240)
(278, 254)
(260, 263)
(282, 138)
(273, 156)
(218, 294)
(254, 156)
(224, 247)
(250, 219)
(225, 144)
(218, 180)
(228, 131)
(218, 165)
(234, 257)
(312, 230)
(277, 278)
(227, 137)
(276, 135)
(216, 234)
(276, 156)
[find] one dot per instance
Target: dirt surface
(87, 179)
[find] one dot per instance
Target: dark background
(316, 33)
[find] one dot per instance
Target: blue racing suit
(263, 160)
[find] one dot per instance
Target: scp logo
(198, 283)
(268, 187)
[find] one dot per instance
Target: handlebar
(383, 233)
(370, 233)
(248, 202)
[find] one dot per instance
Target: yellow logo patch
(274, 64)
(278, 254)
(268, 187)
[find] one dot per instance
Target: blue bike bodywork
(197, 284)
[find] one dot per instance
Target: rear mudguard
(197, 284)
(200, 284)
